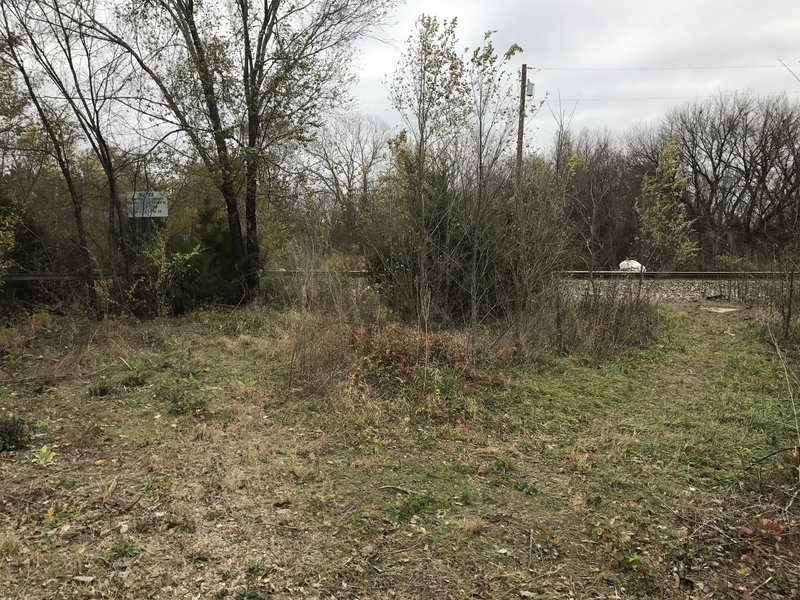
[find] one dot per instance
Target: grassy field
(188, 463)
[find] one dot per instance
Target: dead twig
(770, 455)
(130, 506)
(530, 548)
(760, 585)
(397, 488)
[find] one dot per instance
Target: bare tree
(348, 156)
(740, 158)
(599, 199)
(22, 48)
(240, 78)
(87, 77)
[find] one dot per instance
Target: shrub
(155, 286)
(453, 259)
(14, 433)
(174, 274)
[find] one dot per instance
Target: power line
(656, 98)
(701, 68)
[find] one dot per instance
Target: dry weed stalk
(791, 381)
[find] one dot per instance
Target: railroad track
(682, 275)
(38, 277)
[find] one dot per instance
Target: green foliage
(427, 502)
(250, 594)
(456, 249)
(8, 242)
(212, 277)
(14, 432)
(258, 569)
(455, 245)
(726, 262)
(124, 549)
(56, 516)
(169, 267)
(20, 237)
(665, 234)
(428, 87)
(154, 485)
(158, 275)
(44, 457)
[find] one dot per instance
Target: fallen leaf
(110, 490)
(83, 579)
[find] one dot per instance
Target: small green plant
(426, 502)
(124, 549)
(503, 464)
(14, 432)
(134, 381)
(56, 516)
(199, 558)
(43, 457)
(257, 570)
(154, 485)
(250, 594)
(45, 427)
(162, 272)
(180, 404)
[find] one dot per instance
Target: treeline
(240, 118)
(135, 95)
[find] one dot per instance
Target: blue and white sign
(147, 204)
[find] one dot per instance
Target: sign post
(143, 207)
(147, 205)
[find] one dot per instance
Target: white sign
(147, 204)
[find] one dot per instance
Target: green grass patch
(123, 549)
(422, 503)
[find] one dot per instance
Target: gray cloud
(611, 33)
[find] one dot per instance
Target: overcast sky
(598, 52)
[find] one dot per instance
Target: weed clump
(250, 594)
(409, 506)
(124, 549)
(14, 432)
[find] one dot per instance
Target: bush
(612, 317)
(14, 433)
(488, 269)
(212, 278)
(174, 274)
(155, 285)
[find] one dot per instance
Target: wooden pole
(521, 130)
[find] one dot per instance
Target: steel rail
(710, 275)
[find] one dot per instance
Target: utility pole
(521, 131)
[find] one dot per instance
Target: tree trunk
(237, 240)
(86, 257)
(253, 262)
